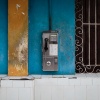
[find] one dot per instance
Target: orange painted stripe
(17, 37)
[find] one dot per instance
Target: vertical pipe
(49, 14)
(89, 30)
(95, 34)
(82, 32)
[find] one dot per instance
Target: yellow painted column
(17, 37)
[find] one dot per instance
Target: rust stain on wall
(17, 37)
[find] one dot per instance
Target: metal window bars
(87, 36)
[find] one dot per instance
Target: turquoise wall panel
(63, 20)
(3, 37)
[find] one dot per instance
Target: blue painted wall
(63, 20)
(3, 37)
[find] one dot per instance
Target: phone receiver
(46, 44)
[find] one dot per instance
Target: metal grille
(87, 36)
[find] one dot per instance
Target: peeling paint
(23, 13)
(18, 6)
(22, 49)
(18, 67)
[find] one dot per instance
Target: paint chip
(23, 13)
(18, 6)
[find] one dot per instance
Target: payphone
(50, 51)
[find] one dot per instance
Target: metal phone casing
(50, 51)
